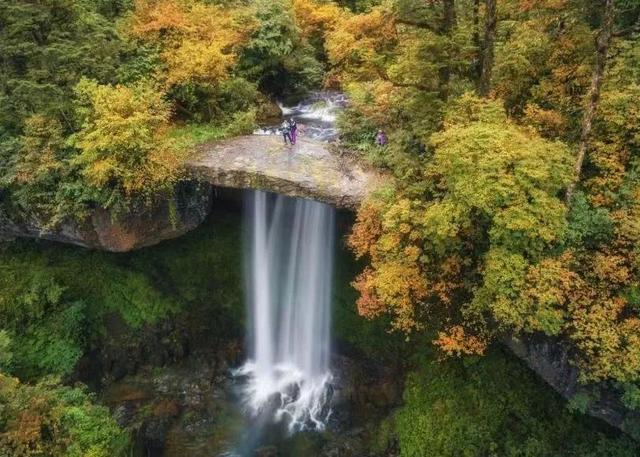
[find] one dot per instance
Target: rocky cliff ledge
(308, 169)
(551, 360)
(147, 226)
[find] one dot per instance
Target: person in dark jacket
(285, 128)
(293, 128)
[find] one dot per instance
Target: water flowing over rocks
(308, 169)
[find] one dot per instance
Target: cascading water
(317, 114)
(291, 263)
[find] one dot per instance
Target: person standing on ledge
(293, 127)
(286, 132)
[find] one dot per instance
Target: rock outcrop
(551, 360)
(145, 227)
(308, 169)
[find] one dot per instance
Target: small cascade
(316, 114)
(289, 292)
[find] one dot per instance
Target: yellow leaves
(392, 287)
(374, 99)
(507, 174)
(358, 44)
(123, 141)
(197, 61)
(199, 41)
(609, 343)
(317, 17)
(456, 342)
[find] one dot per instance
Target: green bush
(44, 331)
(242, 123)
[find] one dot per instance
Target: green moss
(189, 135)
(494, 406)
(196, 278)
(201, 271)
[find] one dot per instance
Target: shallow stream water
(315, 115)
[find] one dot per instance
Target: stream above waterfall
(316, 116)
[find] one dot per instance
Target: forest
(510, 212)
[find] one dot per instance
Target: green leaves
(45, 332)
(276, 56)
(45, 48)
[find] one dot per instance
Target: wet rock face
(309, 169)
(552, 361)
(148, 226)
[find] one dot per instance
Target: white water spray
(291, 263)
(317, 114)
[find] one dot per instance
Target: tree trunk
(602, 49)
(448, 23)
(475, 70)
(490, 22)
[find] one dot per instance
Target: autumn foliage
(123, 142)
(199, 42)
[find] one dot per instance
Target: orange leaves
(456, 342)
(366, 231)
(395, 282)
(550, 123)
(24, 435)
(368, 303)
(199, 41)
(155, 16)
(611, 269)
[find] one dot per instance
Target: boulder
(147, 226)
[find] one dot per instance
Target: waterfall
(289, 294)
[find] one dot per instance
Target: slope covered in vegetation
(514, 147)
